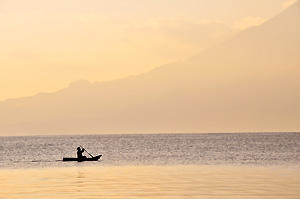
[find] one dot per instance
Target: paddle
(87, 151)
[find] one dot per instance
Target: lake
(237, 165)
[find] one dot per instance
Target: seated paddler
(79, 153)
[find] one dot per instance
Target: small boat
(94, 158)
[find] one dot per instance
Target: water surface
(251, 165)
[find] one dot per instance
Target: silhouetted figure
(79, 153)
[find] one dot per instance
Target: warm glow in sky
(45, 45)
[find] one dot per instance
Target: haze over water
(245, 165)
(141, 67)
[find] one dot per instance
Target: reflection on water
(241, 166)
(153, 182)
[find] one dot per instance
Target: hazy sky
(45, 45)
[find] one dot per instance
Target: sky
(46, 45)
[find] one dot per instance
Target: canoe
(95, 158)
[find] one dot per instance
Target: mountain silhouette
(249, 83)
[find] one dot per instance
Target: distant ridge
(250, 83)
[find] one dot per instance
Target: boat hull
(95, 158)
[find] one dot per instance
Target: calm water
(254, 165)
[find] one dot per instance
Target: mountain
(250, 83)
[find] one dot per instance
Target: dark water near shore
(208, 166)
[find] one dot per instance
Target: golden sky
(45, 45)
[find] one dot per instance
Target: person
(79, 153)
